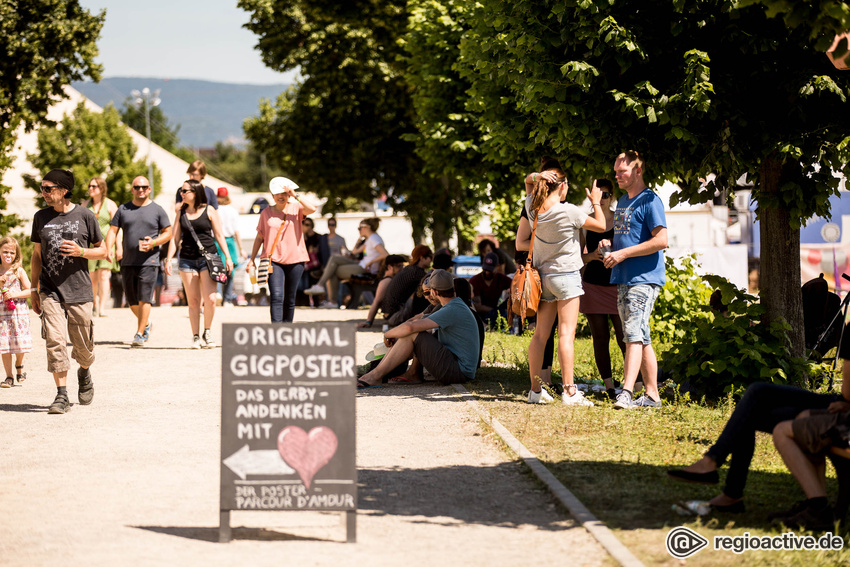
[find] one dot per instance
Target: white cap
(281, 184)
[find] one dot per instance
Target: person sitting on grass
(803, 443)
(763, 406)
(487, 288)
(450, 355)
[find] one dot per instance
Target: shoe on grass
(541, 397)
(60, 404)
(315, 290)
(196, 341)
(576, 399)
(138, 341)
(809, 518)
(624, 400)
(646, 402)
(206, 339)
(86, 392)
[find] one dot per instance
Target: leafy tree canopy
(45, 44)
(91, 144)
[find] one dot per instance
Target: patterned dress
(15, 334)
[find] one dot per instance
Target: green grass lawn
(615, 461)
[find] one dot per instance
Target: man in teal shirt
(450, 355)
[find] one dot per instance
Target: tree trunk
(779, 277)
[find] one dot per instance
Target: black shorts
(139, 283)
(437, 359)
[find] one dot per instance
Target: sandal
(403, 380)
(21, 376)
(7, 383)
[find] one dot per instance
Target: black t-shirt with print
(64, 278)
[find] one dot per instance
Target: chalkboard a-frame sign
(287, 419)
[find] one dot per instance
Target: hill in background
(207, 112)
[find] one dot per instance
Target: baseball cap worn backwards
(441, 280)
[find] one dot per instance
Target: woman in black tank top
(197, 283)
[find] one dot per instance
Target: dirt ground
(133, 479)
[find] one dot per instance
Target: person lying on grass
(804, 443)
(763, 406)
(450, 355)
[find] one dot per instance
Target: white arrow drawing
(245, 461)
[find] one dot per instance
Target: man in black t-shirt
(65, 237)
(146, 227)
(404, 284)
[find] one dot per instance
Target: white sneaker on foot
(196, 341)
(206, 339)
(541, 397)
(315, 290)
(329, 305)
(576, 399)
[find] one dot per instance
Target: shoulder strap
(276, 238)
(533, 232)
(194, 234)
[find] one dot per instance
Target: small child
(15, 335)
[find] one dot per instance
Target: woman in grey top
(557, 256)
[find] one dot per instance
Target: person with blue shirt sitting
(450, 354)
(637, 264)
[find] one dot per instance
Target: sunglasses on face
(142, 187)
(49, 188)
(606, 195)
(184, 191)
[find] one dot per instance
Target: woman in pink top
(279, 232)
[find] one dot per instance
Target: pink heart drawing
(306, 452)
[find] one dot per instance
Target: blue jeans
(283, 284)
(763, 406)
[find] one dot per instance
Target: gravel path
(133, 478)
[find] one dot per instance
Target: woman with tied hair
(403, 287)
(557, 256)
(342, 268)
(100, 271)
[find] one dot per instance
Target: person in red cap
(229, 224)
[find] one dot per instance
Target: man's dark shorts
(139, 283)
(818, 432)
(437, 359)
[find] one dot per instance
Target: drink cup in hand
(605, 251)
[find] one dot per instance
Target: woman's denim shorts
(560, 287)
(192, 266)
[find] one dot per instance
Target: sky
(180, 39)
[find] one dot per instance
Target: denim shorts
(635, 302)
(192, 266)
(560, 287)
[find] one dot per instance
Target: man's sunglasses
(142, 187)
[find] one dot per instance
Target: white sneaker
(541, 397)
(329, 305)
(576, 399)
(315, 290)
(206, 339)
(196, 342)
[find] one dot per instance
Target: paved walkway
(133, 478)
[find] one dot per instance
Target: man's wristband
(82, 252)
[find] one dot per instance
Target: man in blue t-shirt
(637, 264)
(451, 355)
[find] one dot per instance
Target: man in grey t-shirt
(146, 227)
(65, 237)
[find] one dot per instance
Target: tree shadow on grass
(631, 496)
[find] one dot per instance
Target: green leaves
(44, 45)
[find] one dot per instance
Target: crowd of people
(602, 260)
